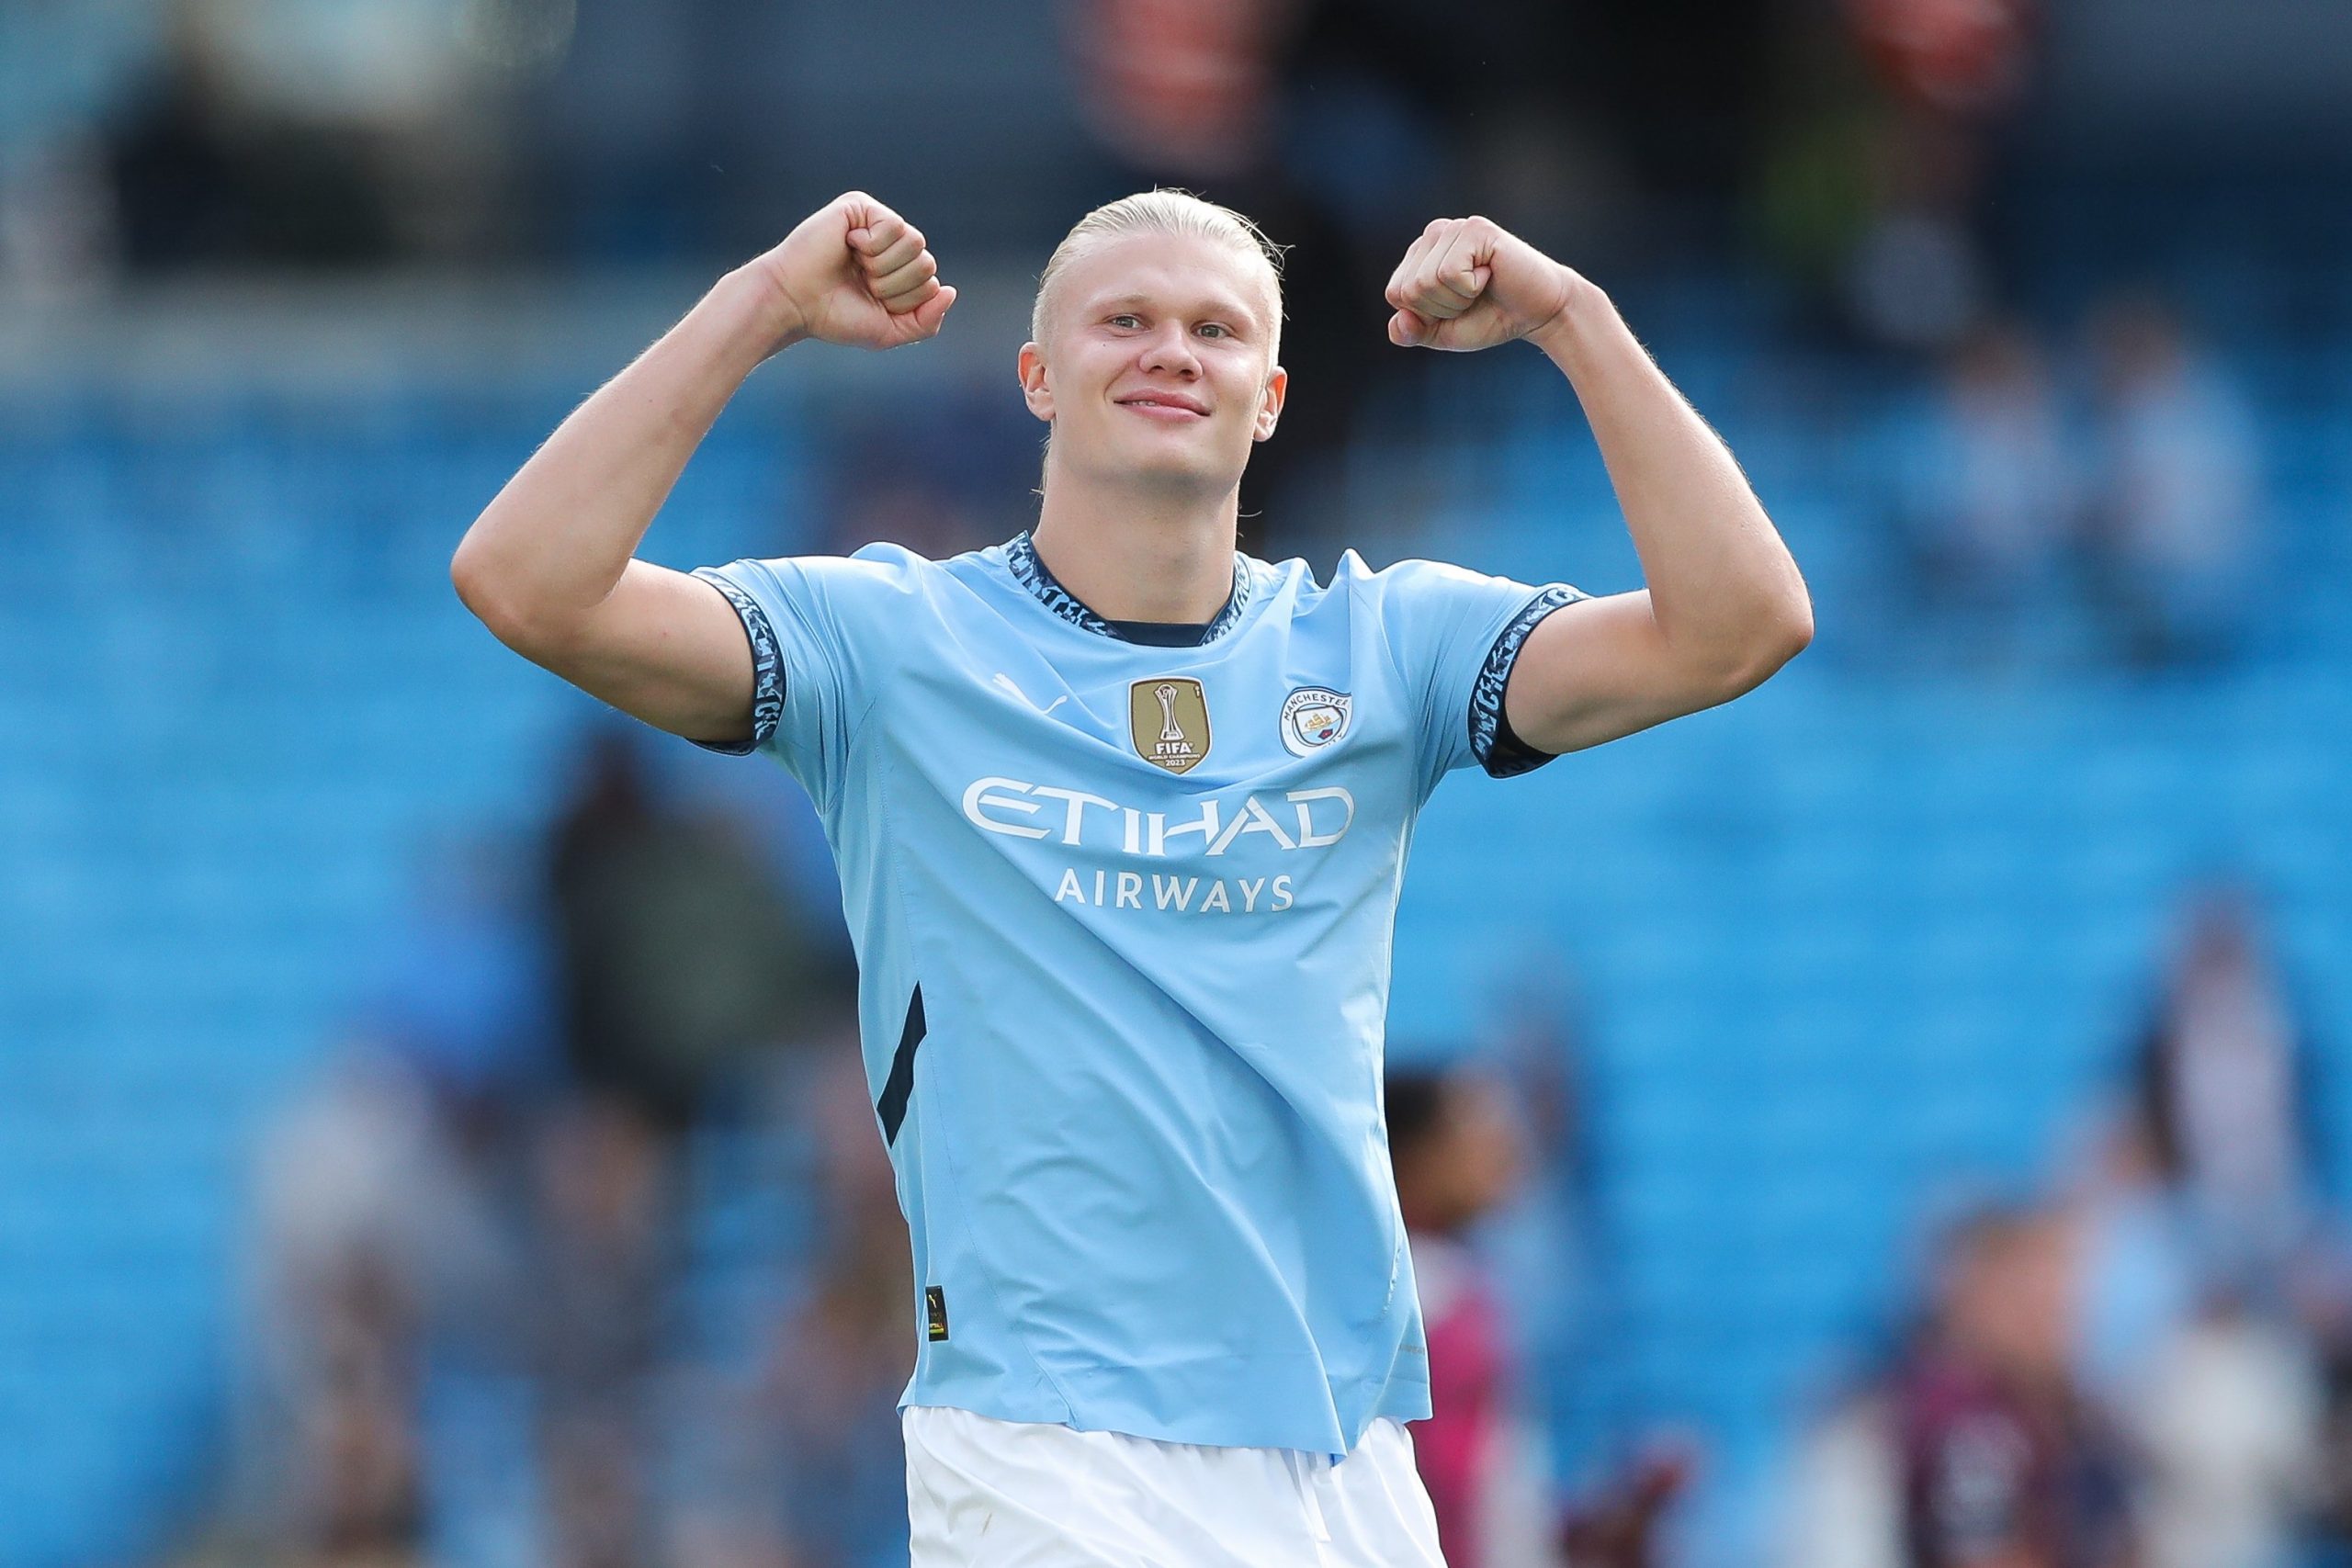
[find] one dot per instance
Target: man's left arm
(1724, 607)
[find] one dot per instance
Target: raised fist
(856, 272)
(1468, 283)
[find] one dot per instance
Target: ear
(1033, 390)
(1269, 402)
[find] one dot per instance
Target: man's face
(1157, 362)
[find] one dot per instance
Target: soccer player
(1121, 816)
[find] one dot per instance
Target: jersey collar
(1021, 556)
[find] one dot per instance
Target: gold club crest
(1168, 716)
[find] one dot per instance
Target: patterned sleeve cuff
(1498, 749)
(767, 669)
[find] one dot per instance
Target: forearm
(1724, 590)
(554, 542)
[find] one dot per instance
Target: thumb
(1405, 328)
(934, 310)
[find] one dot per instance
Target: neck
(1133, 553)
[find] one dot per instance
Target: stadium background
(329, 1230)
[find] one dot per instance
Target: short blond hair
(1163, 210)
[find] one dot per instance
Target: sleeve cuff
(767, 669)
(1498, 749)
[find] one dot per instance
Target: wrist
(1584, 308)
(751, 297)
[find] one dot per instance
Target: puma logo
(1006, 682)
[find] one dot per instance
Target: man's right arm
(550, 566)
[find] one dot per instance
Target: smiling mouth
(1168, 413)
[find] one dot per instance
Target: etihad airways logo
(1298, 819)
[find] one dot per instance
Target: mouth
(1167, 408)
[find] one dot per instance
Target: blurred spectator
(1185, 83)
(388, 1233)
(2177, 532)
(2004, 1459)
(1963, 59)
(1916, 277)
(2230, 1426)
(1979, 1449)
(1457, 1148)
(679, 952)
(2140, 1286)
(2229, 1404)
(1992, 497)
(1877, 187)
(2221, 1403)
(2224, 1098)
(332, 1427)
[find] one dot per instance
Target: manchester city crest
(1313, 716)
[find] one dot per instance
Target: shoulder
(1291, 581)
(1352, 578)
(883, 564)
(878, 572)
(1405, 578)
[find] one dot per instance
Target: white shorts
(987, 1493)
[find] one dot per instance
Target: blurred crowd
(2107, 509)
(1849, 149)
(585, 1253)
(483, 1325)
(478, 1329)
(2149, 1363)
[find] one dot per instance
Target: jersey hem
(1210, 1409)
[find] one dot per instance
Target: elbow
(466, 578)
(1791, 634)
(1785, 628)
(1779, 637)
(477, 588)
(482, 591)
(1794, 632)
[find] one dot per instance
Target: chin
(1192, 470)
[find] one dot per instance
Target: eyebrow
(1218, 305)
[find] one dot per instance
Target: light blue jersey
(1123, 916)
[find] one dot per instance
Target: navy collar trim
(1021, 556)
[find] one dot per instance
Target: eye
(1125, 316)
(1216, 327)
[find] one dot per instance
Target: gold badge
(1168, 716)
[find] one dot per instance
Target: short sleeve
(1454, 635)
(814, 624)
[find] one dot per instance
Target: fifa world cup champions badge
(1168, 716)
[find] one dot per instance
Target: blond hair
(1163, 210)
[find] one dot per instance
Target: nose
(1170, 348)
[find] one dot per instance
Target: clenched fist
(1467, 283)
(856, 274)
